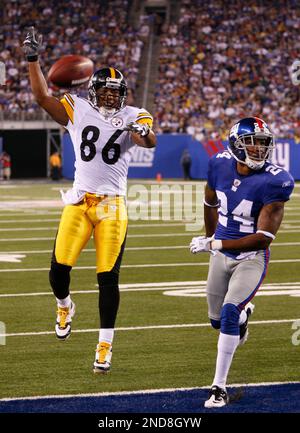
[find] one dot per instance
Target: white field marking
(11, 258)
(150, 235)
(148, 265)
(145, 328)
(159, 247)
(263, 291)
(30, 204)
(179, 288)
(15, 197)
(26, 213)
(286, 225)
(140, 392)
(45, 228)
(43, 220)
(26, 229)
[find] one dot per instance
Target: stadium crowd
(97, 29)
(221, 61)
(226, 60)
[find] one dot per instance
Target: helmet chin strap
(253, 164)
(107, 112)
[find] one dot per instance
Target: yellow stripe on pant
(106, 216)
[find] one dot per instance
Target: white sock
(243, 317)
(106, 334)
(63, 303)
(227, 345)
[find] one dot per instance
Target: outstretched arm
(38, 83)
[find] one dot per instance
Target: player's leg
(109, 236)
(74, 231)
(217, 287)
(246, 278)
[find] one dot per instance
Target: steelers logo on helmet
(251, 142)
(108, 90)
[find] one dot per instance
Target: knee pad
(230, 315)
(216, 324)
(59, 277)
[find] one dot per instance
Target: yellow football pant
(106, 216)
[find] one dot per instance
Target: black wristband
(32, 58)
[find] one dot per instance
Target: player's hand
(141, 129)
(32, 45)
(200, 244)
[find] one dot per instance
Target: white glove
(200, 244)
(138, 128)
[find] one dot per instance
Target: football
(71, 71)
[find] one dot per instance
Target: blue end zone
(253, 399)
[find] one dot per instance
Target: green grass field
(151, 349)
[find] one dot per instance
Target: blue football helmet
(251, 142)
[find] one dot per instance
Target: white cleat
(63, 321)
(103, 358)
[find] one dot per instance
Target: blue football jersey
(241, 198)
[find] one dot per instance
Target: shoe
(103, 358)
(244, 332)
(218, 397)
(63, 321)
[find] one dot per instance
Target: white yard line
(140, 392)
(146, 328)
(148, 265)
(160, 247)
(192, 287)
(147, 235)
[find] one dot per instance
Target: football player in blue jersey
(243, 209)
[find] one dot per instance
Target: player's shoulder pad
(72, 102)
(140, 115)
(278, 175)
(220, 157)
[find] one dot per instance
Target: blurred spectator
(55, 166)
(5, 163)
(186, 162)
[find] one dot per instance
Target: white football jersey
(101, 146)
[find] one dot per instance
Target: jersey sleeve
(211, 173)
(143, 116)
(279, 189)
(69, 102)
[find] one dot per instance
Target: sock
(227, 345)
(62, 303)
(243, 317)
(107, 335)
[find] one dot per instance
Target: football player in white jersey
(103, 130)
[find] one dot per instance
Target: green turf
(142, 358)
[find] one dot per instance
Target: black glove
(32, 45)
(138, 128)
